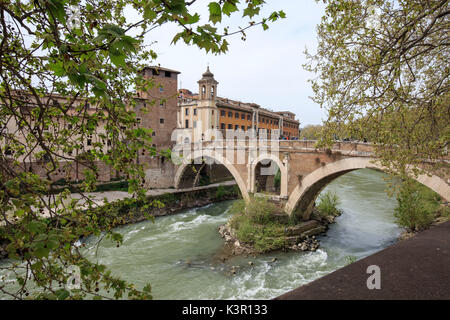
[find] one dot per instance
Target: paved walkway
(416, 268)
(119, 195)
(98, 197)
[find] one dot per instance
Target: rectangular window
(186, 111)
(161, 89)
(230, 126)
(236, 127)
(153, 133)
(222, 113)
(195, 112)
(187, 124)
(230, 114)
(236, 115)
(167, 74)
(243, 128)
(161, 121)
(249, 117)
(222, 126)
(242, 116)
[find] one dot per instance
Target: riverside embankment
(170, 201)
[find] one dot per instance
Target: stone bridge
(304, 170)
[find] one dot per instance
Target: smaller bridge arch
(220, 160)
(305, 193)
(283, 170)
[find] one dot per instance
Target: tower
(208, 113)
(207, 86)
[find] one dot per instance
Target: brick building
(155, 108)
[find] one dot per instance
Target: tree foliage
(64, 79)
(311, 132)
(383, 74)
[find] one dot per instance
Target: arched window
(212, 92)
(203, 92)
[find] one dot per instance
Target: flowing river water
(177, 254)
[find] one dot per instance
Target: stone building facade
(206, 111)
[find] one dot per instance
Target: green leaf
(57, 68)
(215, 12)
(229, 8)
(62, 294)
(149, 13)
(41, 252)
(56, 8)
(192, 19)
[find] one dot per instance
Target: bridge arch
(283, 170)
(305, 193)
(219, 159)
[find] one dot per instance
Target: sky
(265, 69)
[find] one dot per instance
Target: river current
(177, 254)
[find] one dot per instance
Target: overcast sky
(265, 69)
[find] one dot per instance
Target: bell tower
(207, 112)
(207, 86)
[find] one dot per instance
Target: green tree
(383, 74)
(63, 77)
(310, 132)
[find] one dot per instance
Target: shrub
(416, 206)
(328, 203)
(253, 224)
(220, 192)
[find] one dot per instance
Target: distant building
(209, 111)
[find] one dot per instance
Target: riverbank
(161, 202)
(416, 268)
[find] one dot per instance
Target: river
(177, 254)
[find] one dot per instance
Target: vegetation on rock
(254, 224)
(327, 205)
